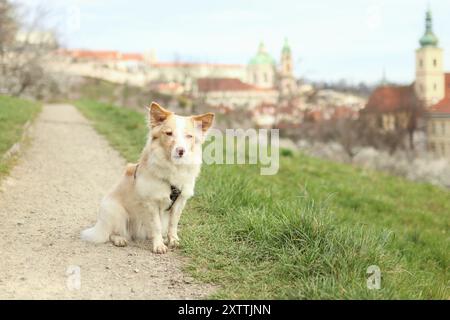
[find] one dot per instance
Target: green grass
(14, 113)
(126, 130)
(112, 93)
(98, 89)
(309, 232)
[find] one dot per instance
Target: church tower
(286, 79)
(430, 79)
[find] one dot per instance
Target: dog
(148, 200)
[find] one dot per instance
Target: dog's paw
(159, 248)
(174, 242)
(119, 241)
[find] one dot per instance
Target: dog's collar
(174, 191)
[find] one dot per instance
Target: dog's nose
(179, 151)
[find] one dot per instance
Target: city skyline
(356, 41)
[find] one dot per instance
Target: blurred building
(430, 78)
(263, 72)
(233, 93)
(187, 74)
(140, 69)
(393, 107)
(113, 66)
(438, 124)
(268, 91)
(264, 84)
(259, 88)
(287, 84)
(261, 69)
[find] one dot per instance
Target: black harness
(174, 191)
(174, 194)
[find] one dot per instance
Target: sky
(331, 40)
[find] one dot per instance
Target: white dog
(148, 200)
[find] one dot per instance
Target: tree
(349, 133)
(8, 25)
(25, 49)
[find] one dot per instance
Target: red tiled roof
(443, 106)
(102, 54)
(167, 87)
(195, 64)
(315, 115)
(92, 54)
(170, 85)
(132, 56)
(392, 98)
(225, 84)
(344, 112)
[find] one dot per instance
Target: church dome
(429, 39)
(262, 57)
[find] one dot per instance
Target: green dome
(429, 39)
(262, 57)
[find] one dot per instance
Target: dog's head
(179, 137)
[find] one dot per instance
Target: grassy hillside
(114, 93)
(14, 113)
(309, 232)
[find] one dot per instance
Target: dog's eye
(189, 136)
(169, 133)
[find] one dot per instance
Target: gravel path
(49, 197)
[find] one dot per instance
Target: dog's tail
(97, 234)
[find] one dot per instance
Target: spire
(429, 22)
(384, 81)
(261, 48)
(429, 39)
(286, 47)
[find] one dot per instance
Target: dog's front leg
(154, 229)
(174, 218)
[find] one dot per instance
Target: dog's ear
(204, 121)
(157, 114)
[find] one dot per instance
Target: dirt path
(49, 197)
